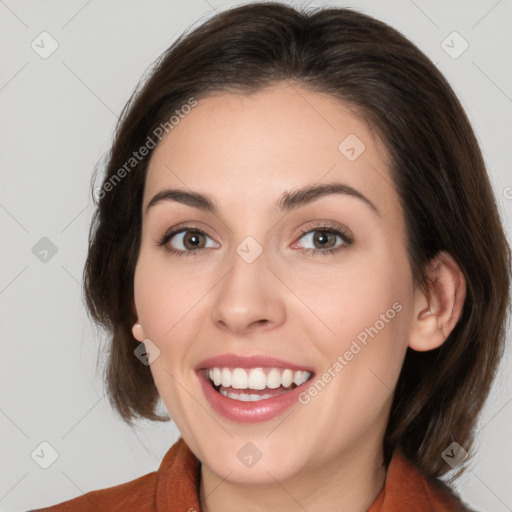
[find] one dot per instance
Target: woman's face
(318, 281)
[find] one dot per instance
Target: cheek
(168, 306)
(360, 325)
(369, 315)
(166, 295)
(345, 301)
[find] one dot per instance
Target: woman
(297, 249)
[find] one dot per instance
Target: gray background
(57, 118)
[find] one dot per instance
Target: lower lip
(249, 412)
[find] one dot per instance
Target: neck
(349, 483)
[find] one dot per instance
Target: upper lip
(253, 361)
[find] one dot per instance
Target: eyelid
(327, 226)
(186, 226)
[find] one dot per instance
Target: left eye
(324, 239)
(190, 240)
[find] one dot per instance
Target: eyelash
(327, 228)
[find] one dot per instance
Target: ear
(137, 331)
(436, 314)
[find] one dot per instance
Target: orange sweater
(174, 488)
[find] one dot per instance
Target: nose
(249, 298)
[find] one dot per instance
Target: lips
(251, 388)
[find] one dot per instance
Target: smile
(258, 383)
(249, 389)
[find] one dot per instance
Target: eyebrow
(290, 200)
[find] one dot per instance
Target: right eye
(186, 240)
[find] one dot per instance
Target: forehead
(249, 149)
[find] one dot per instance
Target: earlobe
(436, 315)
(425, 313)
(137, 331)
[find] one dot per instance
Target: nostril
(259, 322)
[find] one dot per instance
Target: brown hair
(437, 169)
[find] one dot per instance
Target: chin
(260, 461)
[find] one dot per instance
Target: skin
(244, 152)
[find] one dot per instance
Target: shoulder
(174, 483)
(444, 497)
(406, 486)
(445, 492)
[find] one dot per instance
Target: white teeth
(287, 378)
(244, 397)
(226, 377)
(216, 377)
(256, 378)
(273, 378)
(239, 379)
(300, 377)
